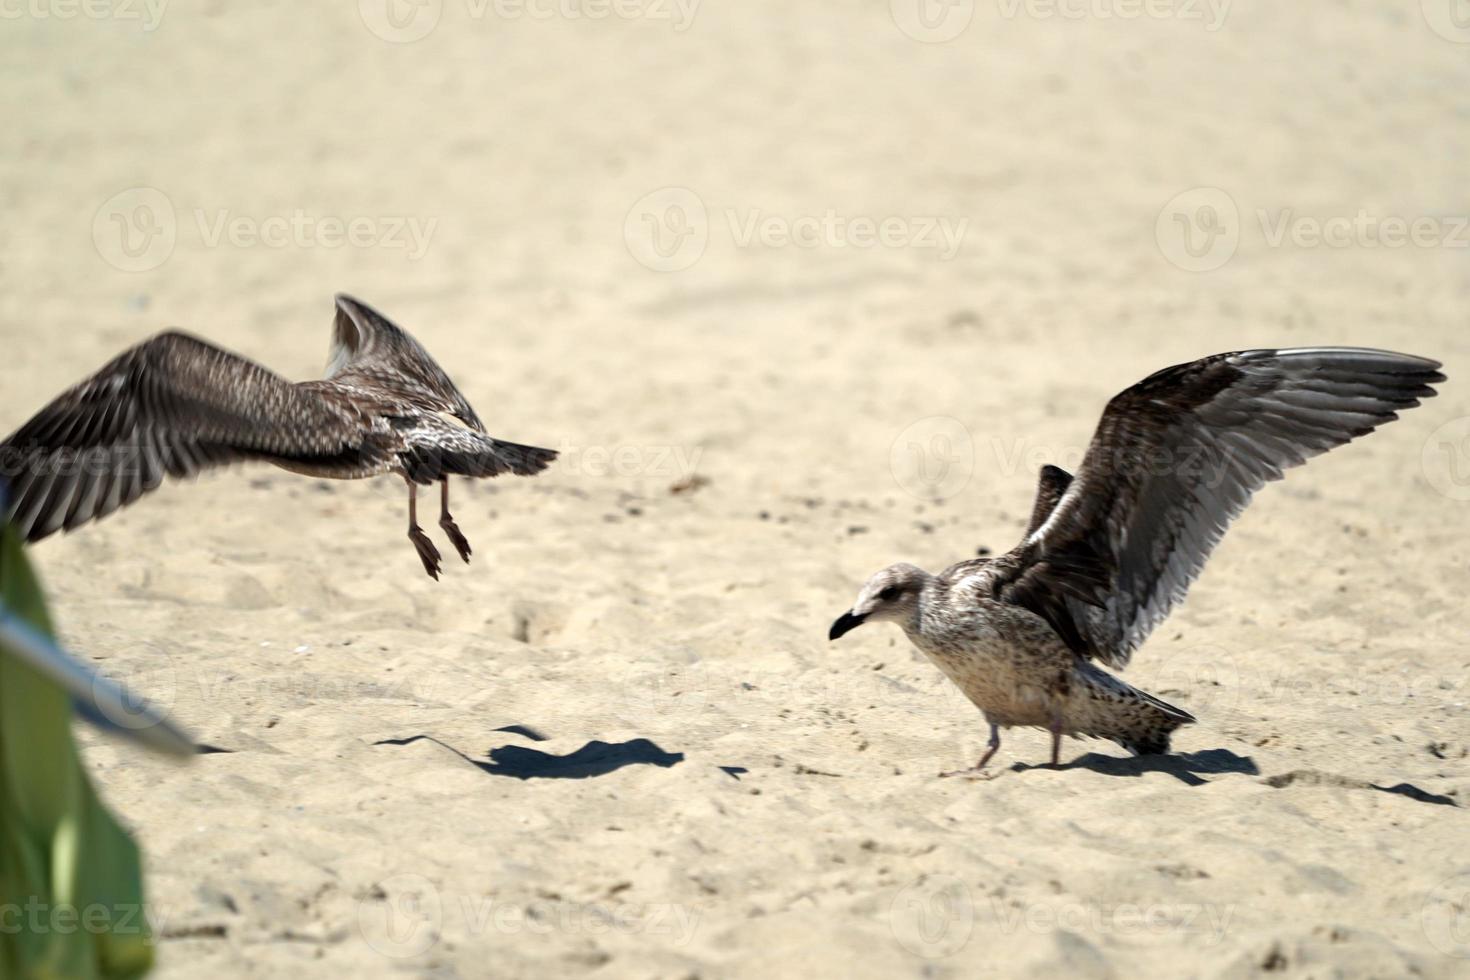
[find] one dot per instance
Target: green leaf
(71, 883)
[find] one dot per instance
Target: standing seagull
(175, 405)
(1109, 552)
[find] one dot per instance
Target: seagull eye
(890, 593)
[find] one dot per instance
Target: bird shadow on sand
(593, 759)
(1313, 777)
(1187, 767)
(1191, 767)
(1416, 794)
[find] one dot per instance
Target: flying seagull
(175, 405)
(1110, 551)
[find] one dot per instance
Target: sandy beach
(797, 291)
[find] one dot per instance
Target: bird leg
(428, 554)
(1056, 739)
(991, 748)
(451, 529)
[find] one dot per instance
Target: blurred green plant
(71, 883)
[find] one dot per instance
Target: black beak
(845, 623)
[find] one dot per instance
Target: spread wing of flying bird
(175, 405)
(171, 406)
(1174, 460)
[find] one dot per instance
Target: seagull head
(891, 595)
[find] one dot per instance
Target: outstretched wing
(369, 348)
(1050, 486)
(173, 405)
(1174, 460)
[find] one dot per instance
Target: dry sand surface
(618, 744)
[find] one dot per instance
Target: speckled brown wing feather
(1050, 485)
(171, 406)
(1175, 458)
(370, 351)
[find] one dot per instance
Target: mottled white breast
(1004, 659)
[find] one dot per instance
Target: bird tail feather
(1147, 730)
(1113, 709)
(480, 457)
